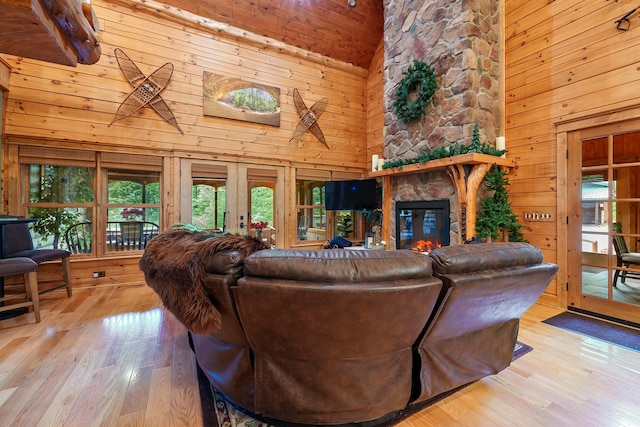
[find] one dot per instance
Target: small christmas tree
(496, 216)
(476, 144)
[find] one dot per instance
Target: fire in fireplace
(422, 225)
(425, 246)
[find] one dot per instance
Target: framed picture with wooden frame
(239, 99)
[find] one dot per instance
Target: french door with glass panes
(604, 219)
(236, 197)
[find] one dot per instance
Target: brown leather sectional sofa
(330, 333)
(345, 336)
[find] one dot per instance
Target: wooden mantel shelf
(463, 159)
(466, 180)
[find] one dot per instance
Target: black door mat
(606, 331)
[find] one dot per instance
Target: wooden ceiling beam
(56, 31)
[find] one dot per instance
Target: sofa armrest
(174, 265)
(227, 262)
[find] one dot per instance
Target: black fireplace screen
(422, 225)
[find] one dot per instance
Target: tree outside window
(209, 204)
(262, 204)
(133, 196)
(59, 196)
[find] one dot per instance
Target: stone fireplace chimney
(460, 40)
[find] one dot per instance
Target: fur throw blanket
(173, 266)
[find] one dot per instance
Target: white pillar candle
(374, 163)
(500, 144)
(380, 164)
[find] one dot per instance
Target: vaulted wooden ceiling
(328, 27)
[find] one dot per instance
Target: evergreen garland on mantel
(454, 149)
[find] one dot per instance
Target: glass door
(209, 203)
(234, 197)
(262, 212)
(604, 220)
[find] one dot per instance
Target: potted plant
(495, 219)
(344, 225)
(131, 214)
(131, 227)
(259, 226)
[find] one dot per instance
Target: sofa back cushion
(486, 284)
(484, 256)
(337, 265)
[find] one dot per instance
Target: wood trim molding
(598, 119)
(562, 217)
(5, 73)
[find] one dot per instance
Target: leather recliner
(332, 331)
(486, 289)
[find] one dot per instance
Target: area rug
(610, 332)
(218, 412)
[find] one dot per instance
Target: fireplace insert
(422, 225)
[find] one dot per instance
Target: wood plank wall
(69, 107)
(78, 103)
(564, 60)
(375, 104)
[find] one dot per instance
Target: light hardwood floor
(114, 357)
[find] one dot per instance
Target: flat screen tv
(355, 194)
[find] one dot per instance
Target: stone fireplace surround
(460, 40)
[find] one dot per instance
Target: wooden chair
(130, 235)
(79, 238)
(28, 268)
(18, 243)
(303, 225)
(269, 237)
(625, 259)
